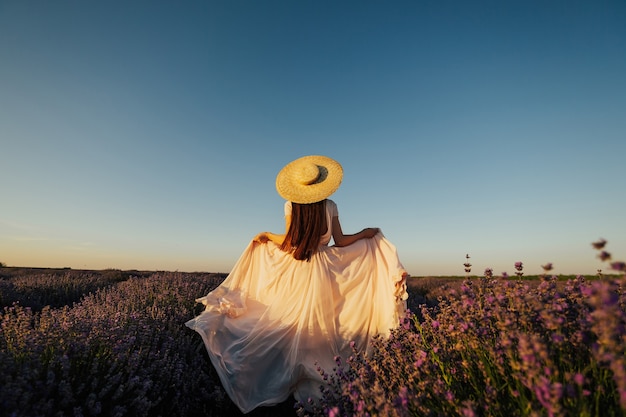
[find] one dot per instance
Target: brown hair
(308, 223)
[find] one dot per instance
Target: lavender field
(113, 343)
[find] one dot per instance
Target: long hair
(308, 223)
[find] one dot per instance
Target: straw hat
(309, 179)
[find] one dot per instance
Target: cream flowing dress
(275, 319)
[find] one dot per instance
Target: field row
(94, 343)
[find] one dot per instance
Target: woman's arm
(264, 237)
(346, 240)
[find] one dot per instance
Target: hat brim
(291, 189)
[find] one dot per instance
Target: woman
(292, 302)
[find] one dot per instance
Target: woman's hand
(265, 237)
(370, 232)
(261, 238)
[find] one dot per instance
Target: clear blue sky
(148, 134)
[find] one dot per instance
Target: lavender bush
(40, 288)
(120, 351)
(494, 347)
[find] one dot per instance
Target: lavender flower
(467, 265)
(516, 346)
(599, 244)
(472, 347)
(619, 266)
(117, 351)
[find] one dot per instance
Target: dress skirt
(275, 319)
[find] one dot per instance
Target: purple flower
(334, 412)
(406, 323)
(467, 264)
(421, 358)
(468, 411)
(579, 379)
(599, 244)
(619, 266)
(402, 401)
